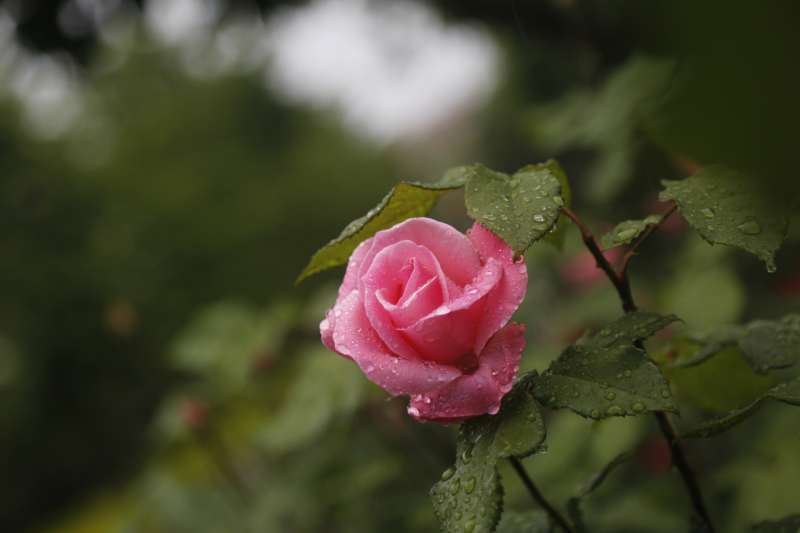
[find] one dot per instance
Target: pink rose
(422, 310)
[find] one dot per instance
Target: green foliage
(606, 375)
(766, 344)
(788, 393)
(556, 237)
(607, 120)
(406, 200)
(520, 209)
(469, 497)
(590, 485)
(790, 524)
(722, 204)
(624, 232)
(720, 384)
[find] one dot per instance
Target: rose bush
(423, 310)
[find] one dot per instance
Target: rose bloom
(423, 310)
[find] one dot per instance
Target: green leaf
(788, 393)
(630, 229)
(790, 524)
(469, 498)
(520, 209)
(406, 200)
(606, 375)
(557, 236)
(590, 485)
(528, 522)
(722, 204)
(766, 344)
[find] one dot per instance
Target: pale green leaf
(725, 207)
(788, 393)
(528, 522)
(624, 232)
(520, 209)
(790, 524)
(606, 375)
(406, 200)
(766, 344)
(469, 497)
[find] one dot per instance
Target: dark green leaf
(405, 201)
(790, 524)
(785, 392)
(766, 344)
(722, 204)
(590, 485)
(520, 209)
(630, 229)
(469, 498)
(529, 522)
(556, 237)
(606, 375)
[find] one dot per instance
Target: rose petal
(478, 393)
(505, 298)
(355, 338)
(381, 283)
(454, 251)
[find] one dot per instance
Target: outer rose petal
(479, 393)
(509, 293)
(354, 338)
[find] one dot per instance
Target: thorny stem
(623, 286)
(554, 515)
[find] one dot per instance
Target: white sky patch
(393, 69)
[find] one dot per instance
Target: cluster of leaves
(603, 375)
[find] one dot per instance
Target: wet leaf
(788, 393)
(469, 498)
(590, 485)
(520, 209)
(556, 237)
(766, 344)
(723, 205)
(790, 524)
(406, 200)
(624, 232)
(606, 375)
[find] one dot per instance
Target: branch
(623, 273)
(623, 286)
(554, 515)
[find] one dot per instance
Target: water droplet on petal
(324, 325)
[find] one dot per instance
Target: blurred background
(168, 167)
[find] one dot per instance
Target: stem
(624, 271)
(554, 515)
(623, 286)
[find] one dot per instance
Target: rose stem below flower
(554, 515)
(623, 286)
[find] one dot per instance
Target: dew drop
(324, 325)
(455, 487)
(469, 486)
(665, 393)
(615, 410)
(457, 516)
(450, 472)
(469, 526)
(638, 407)
(595, 413)
(558, 200)
(751, 227)
(628, 373)
(625, 235)
(610, 396)
(708, 212)
(538, 218)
